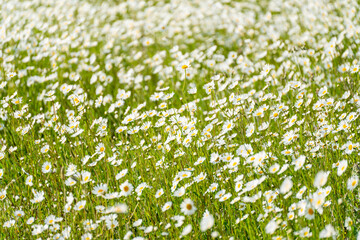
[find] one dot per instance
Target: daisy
(274, 168)
(271, 227)
(183, 66)
(309, 212)
(100, 148)
(228, 125)
(159, 193)
(19, 213)
(71, 170)
(117, 208)
(46, 167)
(354, 68)
(126, 188)
(121, 129)
(342, 167)
(187, 207)
(50, 220)
(351, 117)
(200, 177)
(299, 162)
(187, 229)
(147, 41)
(166, 206)
(155, 97)
(258, 113)
(100, 189)
(348, 223)
(344, 68)
(121, 174)
(213, 187)
(305, 232)
(38, 196)
(199, 161)
(140, 188)
(321, 179)
(352, 182)
(45, 149)
(29, 180)
(225, 197)
(322, 91)
(265, 70)
(220, 194)
(287, 152)
(206, 222)
(286, 185)
(80, 205)
(70, 182)
(30, 221)
(179, 192)
(250, 130)
(301, 192)
(328, 231)
(86, 236)
(85, 177)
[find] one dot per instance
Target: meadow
(195, 119)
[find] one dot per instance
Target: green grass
(59, 38)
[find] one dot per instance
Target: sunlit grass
(195, 119)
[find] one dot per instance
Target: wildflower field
(195, 119)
